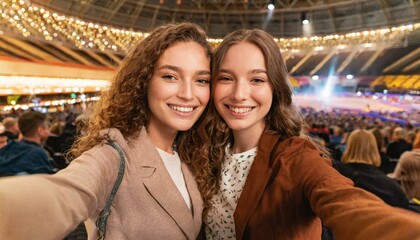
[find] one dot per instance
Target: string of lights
(48, 103)
(13, 85)
(23, 18)
(30, 20)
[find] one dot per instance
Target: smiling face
(243, 94)
(179, 89)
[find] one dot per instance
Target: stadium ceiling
(219, 17)
(88, 39)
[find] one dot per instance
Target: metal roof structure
(362, 38)
(219, 17)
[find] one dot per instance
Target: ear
(39, 130)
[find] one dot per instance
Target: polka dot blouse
(235, 169)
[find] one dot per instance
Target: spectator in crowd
(55, 145)
(11, 128)
(336, 136)
(338, 151)
(259, 177)
(27, 156)
(3, 137)
(397, 146)
(359, 163)
(407, 171)
(410, 137)
(160, 90)
(386, 133)
(385, 166)
(56, 128)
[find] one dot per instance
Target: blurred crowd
(35, 142)
(380, 155)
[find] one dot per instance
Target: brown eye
(203, 81)
(169, 77)
(224, 78)
(257, 80)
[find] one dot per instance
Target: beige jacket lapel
(195, 196)
(159, 183)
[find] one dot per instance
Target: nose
(240, 91)
(185, 90)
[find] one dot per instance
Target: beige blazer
(148, 205)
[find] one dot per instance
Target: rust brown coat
(290, 185)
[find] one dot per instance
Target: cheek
(219, 92)
(263, 95)
(218, 101)
(155, 88)
(150, 93)
(204, 95)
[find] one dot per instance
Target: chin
(183, 128)
(237, 128)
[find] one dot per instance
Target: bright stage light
(304, 19)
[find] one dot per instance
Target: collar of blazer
(259, 175)
(159, 184)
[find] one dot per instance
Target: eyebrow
(222, 70)
(259, 71)
(177, 69)
(252, 71)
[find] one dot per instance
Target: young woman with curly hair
(261, 178)
(159, 92)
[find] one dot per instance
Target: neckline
(250, 151)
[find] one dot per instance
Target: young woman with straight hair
(259, 177)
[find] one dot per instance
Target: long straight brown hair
(283, 118)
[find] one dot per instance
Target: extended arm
(351, 212)
(50, 206)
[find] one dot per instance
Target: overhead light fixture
(271, 6)
(315, 77)
(304, 19)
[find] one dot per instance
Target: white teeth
(240, 110)
(182, 109)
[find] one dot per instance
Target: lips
(182, 109)
(239, 109)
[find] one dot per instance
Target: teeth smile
(240, 110)
(182, 109)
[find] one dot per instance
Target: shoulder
(344, 169)
(104, 153)
(298, 147)
(99, 152)
(269, 141)
(410, 154)
(409, 158)
(298, 154)
(113, 134)
(20, 146)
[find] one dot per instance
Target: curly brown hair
(283, 118)
(124, 105)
